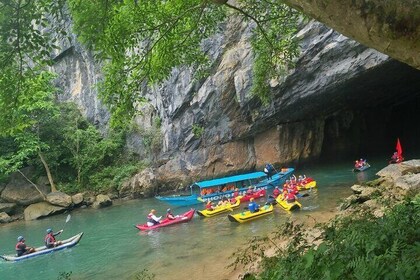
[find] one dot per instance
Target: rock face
(337, 94)
(59, 199)
(19, 191)
(102, 201)
(141, 185)
(41, 209)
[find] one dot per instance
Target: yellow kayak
(288, 206)
(248, 216)
(220, 209)
(307, 186)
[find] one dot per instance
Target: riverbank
(395, 184)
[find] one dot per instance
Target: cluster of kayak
(233, 204)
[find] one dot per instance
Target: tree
(22, 118)
(142, 41)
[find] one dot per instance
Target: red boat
(257, 194)
(186, 217)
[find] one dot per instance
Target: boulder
(394, 171)
(410, 183)
(102, 201)
(4, 218)
(88, 199)
(20, 191)
(9, 208)
(77, 199)
(357, 189)
(59, 199)
(41, 209)
(142, 184)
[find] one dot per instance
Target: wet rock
(59, 199)
(4, 218)
(77, 199)
(357, 189)
(409, 183)
(102, 201)
(9, 208)
(141, 185)
(41, 209)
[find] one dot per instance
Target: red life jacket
(17, 245)
(51, 237)
(276, 192)
(290, 197)
(235, 194)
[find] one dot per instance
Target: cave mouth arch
(382, 105)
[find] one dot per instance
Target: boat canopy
(230, 179)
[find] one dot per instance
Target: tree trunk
(47, 169)
(391, 27)
(33, 184)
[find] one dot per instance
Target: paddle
(67, 220)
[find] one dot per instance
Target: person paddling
(152, 219)
(21, 248)
(50, 241)
(253, 206)
(169, 215)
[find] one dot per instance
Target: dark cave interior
(382, 105)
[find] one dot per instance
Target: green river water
(112, 248)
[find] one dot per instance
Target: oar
(67, 220)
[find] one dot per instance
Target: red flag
(399, 148)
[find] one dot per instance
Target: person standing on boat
(21, 248)
(152, 219)
(268, 169)
(253, 206)
(50, 241)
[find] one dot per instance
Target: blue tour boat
(216, 189)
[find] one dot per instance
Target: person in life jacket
(276, 192)
(253, 206)
(235, 195)
(50, 240)
(209, 205)
(21, 248)
(290, 197)
(152, 219)
(169, 214)
(250, 191)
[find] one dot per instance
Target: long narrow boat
(288, 206)
(216, 189)
(186, 217)
(70, 242)
(220, 209)
(310, 184)
(249, 216)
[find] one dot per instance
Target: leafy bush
(354, 247)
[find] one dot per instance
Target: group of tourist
(152, 219)
(49, 240)
(360, 163)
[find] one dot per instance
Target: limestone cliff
(215, 126)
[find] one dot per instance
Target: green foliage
(273, 41)
(112, 177)
(197, 130)
(22, 118)
(141, 42)
(362, 247)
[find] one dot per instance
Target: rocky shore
(395, 183)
